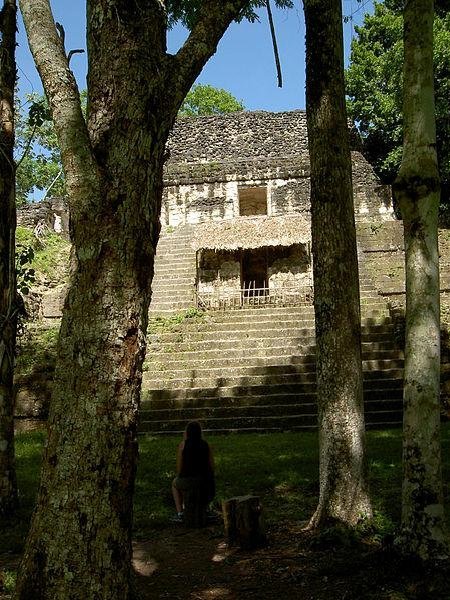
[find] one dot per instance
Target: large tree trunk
(343, 485)
(8, 296)
(79, 546)
(417, 191)
(80, 542)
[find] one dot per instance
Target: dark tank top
(195, 459)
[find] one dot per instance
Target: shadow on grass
(29, 448)
(282, 468)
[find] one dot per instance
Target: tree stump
(243, 522)
(194, 508)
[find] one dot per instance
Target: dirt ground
(197, 565)
(183, 564)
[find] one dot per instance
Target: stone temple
(240, 183)
(231, 338)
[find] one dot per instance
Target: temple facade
(240, 186)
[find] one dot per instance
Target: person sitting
(195, 469)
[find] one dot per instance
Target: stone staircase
(175, 272)
(254, 370)
(249, 369)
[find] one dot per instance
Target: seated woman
(195, 468)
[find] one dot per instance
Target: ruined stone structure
(51, 214)
(241, 182)
(235, 236)
(251, 163)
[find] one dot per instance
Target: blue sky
(243, 63)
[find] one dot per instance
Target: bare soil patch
(183, 564)
(197, 565)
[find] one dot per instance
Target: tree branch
(63, 97)
(214, 18)
(274, 43)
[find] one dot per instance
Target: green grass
(167, 324)
(51, 254)
(281, 468)
(36, 349)
(7, 581)
(28, 460)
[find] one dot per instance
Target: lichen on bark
(9, 303)
(417, 192)
(79, 545)
(344, 495)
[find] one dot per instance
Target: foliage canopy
(205, 99)
(187, 11)
(375, 82)
(37, 150)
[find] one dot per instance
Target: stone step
(260, 351)
(172, 241)
(175, 236)
(164, 297)
(177, 290)
(250, 343)
(293, 422)
(206, 412)
(165, 276)
(173, 262)
(307, 372)
(177, 249)
(169, 308)
(202, 325)
(152, 381)
(254, 395)
(282, 314)
(180, 284)
(206, 328)
(306, 335)
(200, 412)
(163, 267)
(307, 361)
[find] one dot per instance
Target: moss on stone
(36, 350)
(51, 254)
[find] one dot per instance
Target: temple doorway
(254, 272)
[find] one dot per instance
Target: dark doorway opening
(254, 272)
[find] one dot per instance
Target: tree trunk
(8, 297)
(417, 192)
(243, 522)
(79, 545)
(343, 485)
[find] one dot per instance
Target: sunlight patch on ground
(221, 552)
(220, 593)
(143, 564)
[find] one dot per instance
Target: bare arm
(180, 457)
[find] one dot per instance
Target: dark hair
(193, 431)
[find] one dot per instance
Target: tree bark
(344, 493)
(79, 545)
(243, 522)
(417, 190)
(9, 307)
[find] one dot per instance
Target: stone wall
(51, 215)
(241, 135)
(211, 157)
(219, 272)
(287, 267)
(197, 203)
